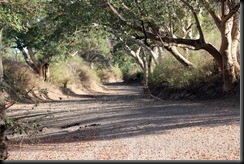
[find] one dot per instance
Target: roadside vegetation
(175, 50)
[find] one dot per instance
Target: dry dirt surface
(125, 124)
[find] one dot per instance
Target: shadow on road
(128, 113)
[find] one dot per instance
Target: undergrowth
(174, 74)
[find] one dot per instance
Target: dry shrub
(173, 73)
(73, 73)
(20, 80)
(133, 75)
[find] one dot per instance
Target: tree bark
(46, 72)
(228, 64)
(152, 64)
(227, 28)
(38, 67)
(30, 59)
(3, 144)
(135, 55)
(235, 43)
(1, 62)
(145, 72)
(159, 51)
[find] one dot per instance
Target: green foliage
(95, 48)
(17, 127)
(60, 28)
(124, 62)
(12, 14)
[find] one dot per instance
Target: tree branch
(231, 13)
(214, 15)
(196, 19)
(115, 12)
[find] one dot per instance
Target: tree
(227, 21)
(146, 62)
(39, 41)
(148, 20)
(12, 15)
(58, 31)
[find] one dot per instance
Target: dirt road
(127, 125)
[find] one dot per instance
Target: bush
(172, 73)
(20, 80)
(113, 74)
(72, 71)
(134, 74)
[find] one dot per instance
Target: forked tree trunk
(31, 61)
(229, 26)
(229, 55)
(151, 62)
(135, 55)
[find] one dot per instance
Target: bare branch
(125, 7)
(189, 28)
(115, 12)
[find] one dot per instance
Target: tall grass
(170, 71)
(112, 74)
(174, 74)
(73, 71)
(20, 80)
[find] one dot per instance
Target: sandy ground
(124, 124)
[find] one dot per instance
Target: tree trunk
(157, 52)
(151, 65)
(46, 72)
(39, 70)
(235, 43)
(135, 55)
(3, 145)
(31, 61)
(228, 69)
(145, 72)
(38, 67)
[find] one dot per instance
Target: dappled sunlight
(119, 115)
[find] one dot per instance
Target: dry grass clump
(174, 74)
(20, 80)
(113, 74)
(74, 73)
(134, 74)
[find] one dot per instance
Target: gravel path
(127, 125)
